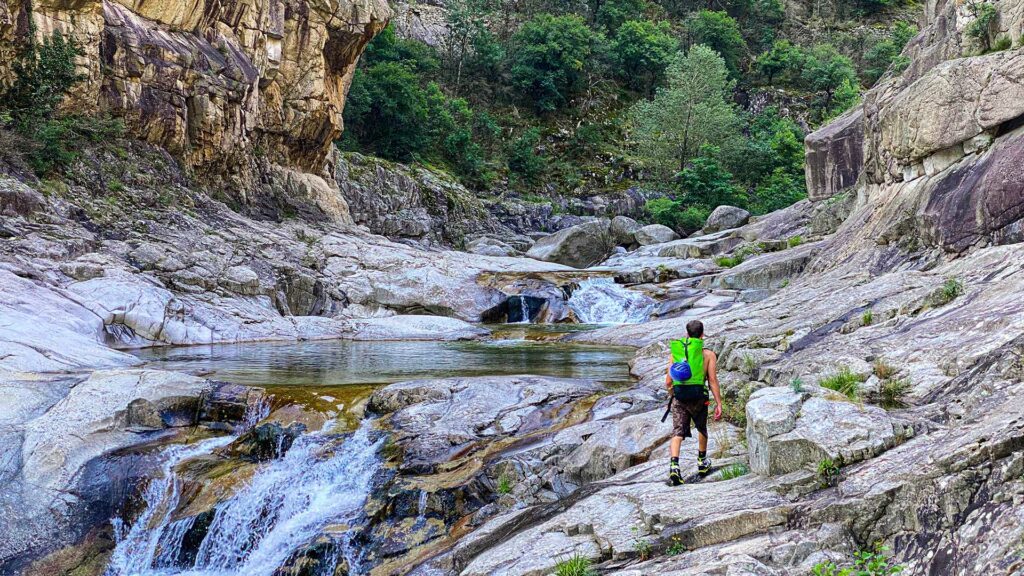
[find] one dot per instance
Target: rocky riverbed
(870, 339)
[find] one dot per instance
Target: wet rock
(226, 402)
(267, 441)
(726, 218)
(301, 294)
(414, 327)
(655, 234)
(579, 246)
(623, 230)
(787, 431)
(437, 420)
(143, 414)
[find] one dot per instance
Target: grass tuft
(575, 565)
(867, 318)
(795, 241)
(734, 471)
(729, 261)
(883, 369)
(828, 472)
(504, 484)
(893, 393)
(843, 381)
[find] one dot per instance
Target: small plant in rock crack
(640, 544)
(828, 472)
(575, 565)
(750, 365)
(676, 548)
(883, 369)
(734, 471)
(867, 318)
(504, 484)
(950, 290)
(893, 392)
(797, 385)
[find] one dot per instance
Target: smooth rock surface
(580, 246)
(654, 234)
(726, 218)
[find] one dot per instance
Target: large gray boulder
(726, 218)
(490, 247)
(787, 430)
(623, 229)
(579, 246)
(655, 234)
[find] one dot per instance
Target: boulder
(438, 420)
(241, 280)
(726, 218)
(17, 199)
(578, 246)
(768, 271)
(490, 247)
(655, 234)
(788, 431)
(623, 230)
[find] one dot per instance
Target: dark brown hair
(695, 329)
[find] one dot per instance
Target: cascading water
(602, 301)
(322, 480)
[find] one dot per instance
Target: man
(690, 396)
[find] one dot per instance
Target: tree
(642, 51)
(826, 70)
(614, 13)
(551, 59)
(886, 53)
(783, 62)
(980, 29)
(691, 110)
(43, 75)
(388, 47)
(720, 32)
(386, 111)
(705, 182)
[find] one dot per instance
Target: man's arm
(711, 367)
(668, 374)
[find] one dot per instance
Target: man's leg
(703, 462)
(677, 442)
(680, 430)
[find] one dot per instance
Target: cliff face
(227, 87)
(935, 152)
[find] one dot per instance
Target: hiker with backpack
(692, 370)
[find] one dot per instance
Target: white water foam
(602, 301)
(285, 506)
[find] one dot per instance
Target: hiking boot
(675, 477)
(703, 465)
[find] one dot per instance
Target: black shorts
(683, 411)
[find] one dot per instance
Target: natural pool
(514, 349)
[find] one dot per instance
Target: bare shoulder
(710, 356)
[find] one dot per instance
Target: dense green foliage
(865, 563)
(44, 72)
(545, 97)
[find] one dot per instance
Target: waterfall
(322, 480)
(602, 301)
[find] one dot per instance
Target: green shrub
(985, 16)
(575, 565)
(797, 385)
(43, 75)
(828, 472)
(867, 318)
(676, 548)
(750, 365)
(795, 241)
(893, 391)
(865, 563)
(735, 411)
(614, 13)
(524, 164)
(734, 471)
(843, 381)
(950, 290)
(668, 212)
(1002, 43)
(729, 261)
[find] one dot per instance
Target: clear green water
(516, 349)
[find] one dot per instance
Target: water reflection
(339, 363)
